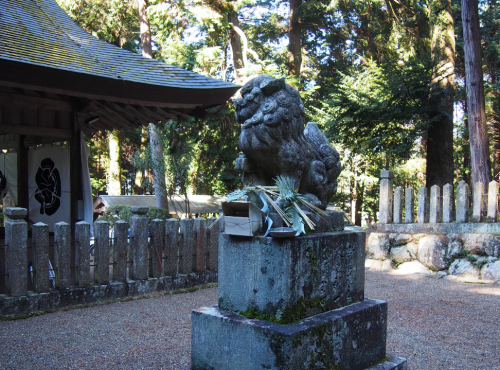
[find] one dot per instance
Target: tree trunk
(142, 6)
(439, 167)
(156, 145)
(236, 48)
(114, 170)
(478, 134)
(155, 142)
(294, 36)
(466, 150)
(140, 175)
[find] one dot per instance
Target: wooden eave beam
(111, 115)
(127, 109)
(36, 102)
(122, 113)
(6, 128)
(166, 114)
(153, 116)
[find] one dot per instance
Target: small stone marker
(448, 203)
(436, 211)
(409, 205)
(398, 205)
(462, 201)
(385, 202)
(422, 205)
(492, 201)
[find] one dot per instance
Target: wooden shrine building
(57, 82)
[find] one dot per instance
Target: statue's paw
(244, 164)
(313, 199)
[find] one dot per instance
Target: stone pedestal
(294, 303)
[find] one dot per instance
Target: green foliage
(123, 212)
(199, 153)
(113, 21)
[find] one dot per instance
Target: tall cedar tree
(480, 160)
(161, 200)
(439, 169)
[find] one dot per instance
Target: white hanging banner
(8, 175)
(49, 185)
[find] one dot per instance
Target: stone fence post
(62, 253)
(448, 203)
(40, 241)
(139, 243)
(409, 205)
(436, 206)
(156, 247)
(477, 205)
(82, 238)
(101, 252)
(492, 201)
(120, 250)
(16, 239)
(398, 205)
(422, 210)
(385, 200)
(462, 202)
(172, 246)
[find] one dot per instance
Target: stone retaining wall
(472, 254)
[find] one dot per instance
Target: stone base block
(390, 363)
(333, 222)
(291, 278)
(352, 337)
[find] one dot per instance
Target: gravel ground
(434, 323)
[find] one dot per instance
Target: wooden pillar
(22, 173)
(75, 164)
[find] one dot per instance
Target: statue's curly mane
(273, 138)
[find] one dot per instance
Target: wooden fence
(122, 253)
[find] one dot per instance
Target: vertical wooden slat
(213, 244)
(171, 246)
(101, 252)
(120, 250)
(186, 246)
(64, 263)
(82, 239)
(139, 243)
(200, 228)
(156, 247)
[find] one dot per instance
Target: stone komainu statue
(275, 142)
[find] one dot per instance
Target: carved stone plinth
(289, 304)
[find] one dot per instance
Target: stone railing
(175, 254)
(447, 234)
(438, 207)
